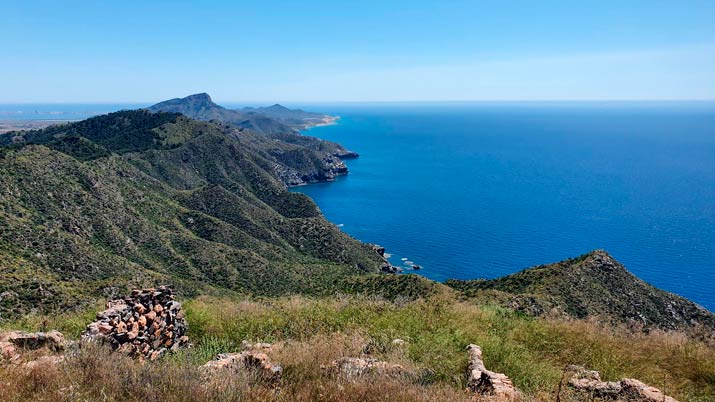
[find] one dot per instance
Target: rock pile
(627, 389)
(252, 360)
(145, 325)
(482, 381)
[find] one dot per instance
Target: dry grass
(308, 333)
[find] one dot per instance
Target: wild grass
(310, 332)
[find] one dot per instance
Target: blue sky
(390, 50)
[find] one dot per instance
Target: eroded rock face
(627, 389)
(146, 324)
(496, 386)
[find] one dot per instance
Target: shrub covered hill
(134, 198)
(592, 285)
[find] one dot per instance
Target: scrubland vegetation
(310, 332)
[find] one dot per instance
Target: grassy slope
(309, 332)
(195, 205)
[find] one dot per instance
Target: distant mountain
(276, 122)
(592, 285)
(201, 107)
(299, 159)
(296, 118)
(130, 199)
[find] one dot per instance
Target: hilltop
(592, 285)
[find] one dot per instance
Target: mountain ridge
(323, 156)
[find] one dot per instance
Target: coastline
(324, 121)
(20, 125)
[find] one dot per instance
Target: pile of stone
(144, 325)
(254, 359)
(14, 343)
(627, 389)
(495, 386)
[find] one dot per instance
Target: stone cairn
(144, 325)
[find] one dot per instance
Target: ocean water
(481, 190)
(60, 111)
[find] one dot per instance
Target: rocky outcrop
(328, 169)
(494, 386)
(352, 368)
(14, 343)
(146, 324)
(254, 359)
(627, 389)
(378, 249)
(389, 268)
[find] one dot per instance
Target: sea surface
(481, 190)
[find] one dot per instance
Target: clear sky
(311, 50)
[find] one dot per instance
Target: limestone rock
(355, 367)
(235, 363)
(627, 389)
(53, 340)
(496, 386)
(635, 390)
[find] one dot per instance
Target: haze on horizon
(320, 51)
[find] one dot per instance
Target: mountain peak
(203, 97)
(188, 106)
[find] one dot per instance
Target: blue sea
(481, 190)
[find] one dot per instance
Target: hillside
(592, 285)
(133, 198)
(308, 334)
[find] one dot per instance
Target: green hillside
(133, 198)
(592, 285)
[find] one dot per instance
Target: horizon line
(135, 102)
